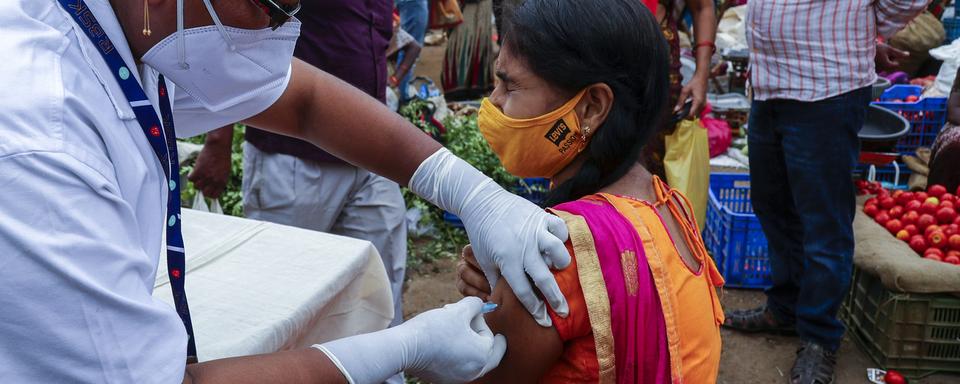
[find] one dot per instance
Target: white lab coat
(82, 200)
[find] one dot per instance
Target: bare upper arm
(285, 115)
(531, 349)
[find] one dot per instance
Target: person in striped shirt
(812, 65)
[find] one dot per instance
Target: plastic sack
(731, 31)
(718, 133)
(200, 204)
(922, 34)
(687, 165)
(950, 54)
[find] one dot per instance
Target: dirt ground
(746, 359)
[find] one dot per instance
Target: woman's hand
(470, 278)
(696, 90)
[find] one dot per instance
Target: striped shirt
(810, 50)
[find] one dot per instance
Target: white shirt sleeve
(75, 281)
(191, 118)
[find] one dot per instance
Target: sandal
(758, 320)
(814, 365)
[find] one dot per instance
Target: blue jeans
(414, 15)
(802, 155)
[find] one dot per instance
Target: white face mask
(228, 65)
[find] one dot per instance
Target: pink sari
(626, 311)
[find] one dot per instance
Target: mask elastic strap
(216, 21)
(181, 43)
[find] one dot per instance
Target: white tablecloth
(257, 287)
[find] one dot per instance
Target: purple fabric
(639, 330)
(348, 39)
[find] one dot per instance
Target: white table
(257, 287)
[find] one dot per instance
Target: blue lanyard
(162, 138)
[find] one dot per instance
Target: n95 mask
(226, 66)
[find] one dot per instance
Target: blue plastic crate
(887, 175)
(952, 27)
(732, 233)
(533, 189)
(926, 116)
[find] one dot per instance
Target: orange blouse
(689, 300)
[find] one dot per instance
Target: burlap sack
(898, 266)
(920, 36)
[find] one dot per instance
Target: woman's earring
(146, 19)
(586, 131)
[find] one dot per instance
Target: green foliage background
(232, 198)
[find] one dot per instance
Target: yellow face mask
(536, 147)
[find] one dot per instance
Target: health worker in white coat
(92, 94)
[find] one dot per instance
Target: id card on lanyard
(160, 132)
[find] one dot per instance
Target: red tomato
(936, 190)
(894, 377)
(920, 196)
(871, 210)
(925, 221)
(888, 202)
(929, 207)
(933, 257)
(945, 215)
(918, 244)
(949, 230)
(882, 218)
(948, 197)
(911, 229)
(903, 234)
(910, 217)
(904, 198)
(894, 226)
(933, 251)
(937, 239)
(957, 220)
(931, 229)
(913, 205)
(896, 212)
(871, 201)
(954, 242)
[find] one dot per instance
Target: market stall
(258, 287)
(904, 309)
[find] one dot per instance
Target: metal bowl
(882, 124)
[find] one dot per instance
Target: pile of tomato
(927, 220)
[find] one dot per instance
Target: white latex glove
(510, 235)
(448, 345)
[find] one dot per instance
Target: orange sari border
(594, 292)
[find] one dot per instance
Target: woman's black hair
(572, 44)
